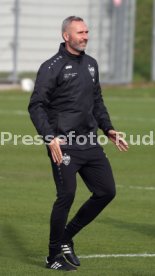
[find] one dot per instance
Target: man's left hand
(117, 138)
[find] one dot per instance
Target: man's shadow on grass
(142, 228)
(15, 246)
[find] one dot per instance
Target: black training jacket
(67, 96)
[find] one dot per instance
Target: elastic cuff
(107, 130)
(48, 139)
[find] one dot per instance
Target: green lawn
(127, 226)
(143, 40)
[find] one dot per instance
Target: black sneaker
(68, 251)
(59, 263)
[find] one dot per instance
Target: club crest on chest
(66, 159)
(91, 70)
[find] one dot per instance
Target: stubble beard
(75, 46)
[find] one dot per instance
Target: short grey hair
(67, 21)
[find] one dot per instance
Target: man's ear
(65, 36)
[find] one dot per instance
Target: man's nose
(85, 36)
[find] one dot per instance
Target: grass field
(127, 226)
(143, 40)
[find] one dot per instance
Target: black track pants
(95, 170)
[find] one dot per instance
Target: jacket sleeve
(100, 111)
(45, 84)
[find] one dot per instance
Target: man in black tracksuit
(67, 108)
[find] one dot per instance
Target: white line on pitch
(127, 99)
(137, 119)
(144, 255)
(14, 112)
(142, 188)
(117, 118)
(137, 187)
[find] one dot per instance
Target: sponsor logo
(69, 75)
(68, 67)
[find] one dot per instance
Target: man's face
(77, 36)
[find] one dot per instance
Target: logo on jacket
(68, 67)
(66, 159)
(69, 75)
(91, 70)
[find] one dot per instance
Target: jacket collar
(63, 51)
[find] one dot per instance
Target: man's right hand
(56, 150)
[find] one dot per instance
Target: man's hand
(56, 150)
(117, 139)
